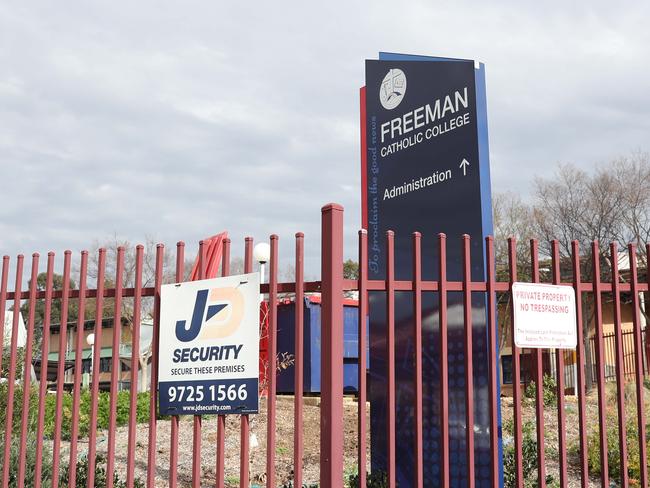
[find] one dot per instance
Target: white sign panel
(545, 316)
(209, 346)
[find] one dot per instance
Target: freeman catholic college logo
(392, 89)
(218, 313)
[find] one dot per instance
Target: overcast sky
(182, 119)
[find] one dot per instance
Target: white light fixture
(262, 252)
(90, 339)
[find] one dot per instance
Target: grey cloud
(181, 120)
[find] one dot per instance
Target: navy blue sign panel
(427, 170)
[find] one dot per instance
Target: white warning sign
(544, 316)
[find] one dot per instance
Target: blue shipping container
(312, 345)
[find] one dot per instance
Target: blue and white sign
(209, 346)
(425, 168)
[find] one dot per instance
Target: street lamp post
(262, 254)
(91, 342)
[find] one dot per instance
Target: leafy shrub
(613, 452)
(20, 362)
(100, 475)
(549, 388)
(103, 410)
(529, 452)
(289, 484)
(30, 458)
(376, 479)
(142, 415)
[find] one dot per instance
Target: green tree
(39, 307)
(350, 270)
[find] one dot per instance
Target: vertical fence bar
(115, 366)
(559, 358)
(173, 437)
(444, 363)
(638, 366)
(95, 369)
(272, 368)
(76, 388)
(196, 420)
(390, 357)
(620, 365)
(135, 366)
(600, 364)
(12, 372)
(516, 371)
(42, 386)
(221, 419)
(362, 351)
(299, 366)
(417, 346)
(27, 372)
(539, 380)
(469, 370)
(60, 375)
(3, 300)
(494, 362)
(581, 363)
(3, 306)
(647, 308)
(153, 389)
(244, 441)
(331, 413)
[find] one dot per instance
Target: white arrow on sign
(464, 164)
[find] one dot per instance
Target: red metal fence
(332, 286)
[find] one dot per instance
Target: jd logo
(217, 313)
(393, 89)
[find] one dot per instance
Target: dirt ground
(283, 450)
(311, 435)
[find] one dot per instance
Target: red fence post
(582, 364)
(362, 348)
(331, 426)
(647, 327)
(12, 373)
(27, 372)
(516, 376)
(443, 351)
(620, 366)
(390, 358)
(638, 366)
(42, 387)
(272, 366)
(299, 366)
(244, 443)
(600, 365)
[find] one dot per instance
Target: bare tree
(512, 219)
(111, 246)
(575, 205)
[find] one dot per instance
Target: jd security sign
(209, 346)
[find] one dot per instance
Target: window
(105, 365)
(506, 370)
(85, 366)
